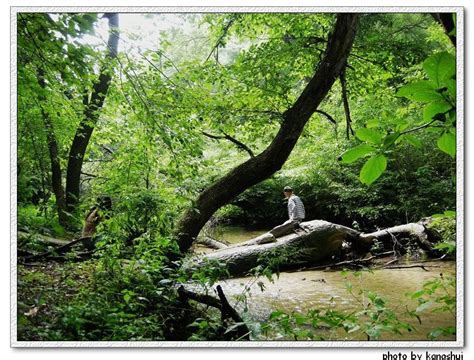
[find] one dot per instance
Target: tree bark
(56, 173)
(318, 241)
(315, 244)
(90, 117)
(260, 167)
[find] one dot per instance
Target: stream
(301, 291)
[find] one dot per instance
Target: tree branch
(347, 112)
(227, 311)
(224, 33)
(233, 140)
(329, 117)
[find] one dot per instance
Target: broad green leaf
(440, 67)
(372, 123)
(451, 85)
(435, 108)
(390, 139)
(447, 143)
(420, 91)
(413, 140)
(369, 135)
(355, 153)
(372, 169)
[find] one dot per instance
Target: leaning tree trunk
(91, 115)
(260, 167)
(314, 244)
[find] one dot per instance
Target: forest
(236, 176)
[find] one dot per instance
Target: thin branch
(329, 117)
(227, 311)
(418, 128)
(226, 136)
(342, 78)
(219, 41)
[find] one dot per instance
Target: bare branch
(226, 136)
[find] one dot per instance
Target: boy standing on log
(296, 214)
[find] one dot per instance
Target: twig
(226, 136)
(219, 41)
(410, 266)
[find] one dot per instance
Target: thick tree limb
(417, 231)
(233, 140)
(260, 167)
(212, 243)
(90, 117)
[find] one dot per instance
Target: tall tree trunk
(56, 173)
(91, 115)
(260, 167)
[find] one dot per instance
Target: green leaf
(390, 139)
(435, 108)
(414, 141)
(420, 91)
(372, 123)
(447, 143)
(372, 169)
(369, 135)
(451, 85)
(355, 153)
(440, 67)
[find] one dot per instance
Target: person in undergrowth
(296, 214)
(95, 215)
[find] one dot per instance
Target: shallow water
(304, 290)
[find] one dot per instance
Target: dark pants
(288, 227)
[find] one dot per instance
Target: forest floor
(42, 290)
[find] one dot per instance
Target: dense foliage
(208, 93)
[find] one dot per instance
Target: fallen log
(390, 237)
(314, 244)
(58, 252)
(317, 241)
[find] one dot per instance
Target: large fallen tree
(317, 242)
